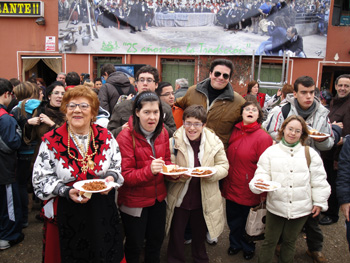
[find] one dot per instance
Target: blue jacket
(343, 179)
(10, 141)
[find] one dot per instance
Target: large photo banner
(194, 27)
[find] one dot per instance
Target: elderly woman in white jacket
(304, 190)
(192, 199)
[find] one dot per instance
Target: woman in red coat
(247, 142)
(141, 198)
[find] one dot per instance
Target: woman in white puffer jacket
(304, 190)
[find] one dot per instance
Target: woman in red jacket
(247, 142)
(141, 198)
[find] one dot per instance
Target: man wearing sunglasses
(216, 95)
(147, 79)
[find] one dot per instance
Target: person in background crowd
(72, 80)
(247, 142)
(216, 93)
(304, 103)
(61, 77)
(14, 82)
(304, 189)
(48, 114)
(117, 84)
(181, 87)
(88, 84)
(97, 83)
(79, 150)
(343, 184)
(326, 98)
(41, 84)
(84, 77)
(193, 145)
(147, 79)
(339, 114)
(30, 97)
(144, 148)
(275, 103)
(253, 89)
(14, 101)
(166, 93)
(10, 203)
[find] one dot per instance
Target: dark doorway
(45, 73)
(329, 75)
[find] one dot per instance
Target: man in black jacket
(343, 184)
(10, 141)
(339, 112)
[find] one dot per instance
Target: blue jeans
(321, 27)
(300, 55)
(261, 49)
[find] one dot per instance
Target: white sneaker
(188, 241)
(211, 241)
(4, 244)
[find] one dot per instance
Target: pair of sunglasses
(218, 74)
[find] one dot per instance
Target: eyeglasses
(72, 106)
(11, 93)
(250, 109)
(167, 94)
(196, 124)
(58, 93)
(142, 80)
(218, 74)
(294, 130)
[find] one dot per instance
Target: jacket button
(290, 186)
(292, 155)
(290, 201)
(291, 171)
(291, 150)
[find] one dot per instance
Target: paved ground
(335, 246)
(207, 40)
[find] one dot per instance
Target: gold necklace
(86, 161)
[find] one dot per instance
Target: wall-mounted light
(40, 21)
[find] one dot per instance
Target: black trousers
(150, 227)
(333, 205)
(314, 236)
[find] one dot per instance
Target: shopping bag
(255, 225)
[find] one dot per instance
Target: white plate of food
(319, 135)
(174, 170)
(94, 185)
(316, 134)
(202, 171)
(266, 186)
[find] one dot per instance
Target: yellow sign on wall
(22, 9)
